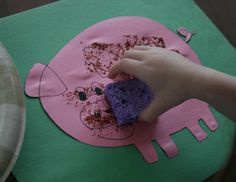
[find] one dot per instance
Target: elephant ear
(43, 81)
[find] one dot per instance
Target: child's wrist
(199, 83)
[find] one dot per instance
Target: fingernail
(140, 119)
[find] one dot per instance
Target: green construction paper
(48, 154)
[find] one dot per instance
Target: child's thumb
(155, 108)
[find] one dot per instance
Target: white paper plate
(12, 114)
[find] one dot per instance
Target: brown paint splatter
(99, 119)
(100, 57)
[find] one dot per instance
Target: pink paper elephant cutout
(71, 86)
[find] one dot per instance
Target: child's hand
(167, 73)
(174, 79)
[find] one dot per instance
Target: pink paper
(70, 88)
(185, 33)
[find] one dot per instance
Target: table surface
(49, 154)
(222, 13)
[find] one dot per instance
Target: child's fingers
(141, 48)
(126, 66)
(134, 54)
(122, 77)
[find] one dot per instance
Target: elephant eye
(98, 91)
(82, 96)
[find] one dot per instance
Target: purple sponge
(128, 99)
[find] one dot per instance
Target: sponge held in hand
(128, 99)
